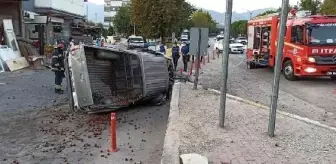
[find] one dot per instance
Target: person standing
(185, 55)
(57, 66)
(71, 42)
(162, 48)
(175, 54)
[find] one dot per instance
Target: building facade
(60, 15)
(111, 8)
(12, 10)
(94, 12)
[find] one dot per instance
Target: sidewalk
(244, 139)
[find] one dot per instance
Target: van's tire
(288, 70)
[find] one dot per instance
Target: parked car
(242, 40)
(218, 46)
(236, 47)
(134, 41)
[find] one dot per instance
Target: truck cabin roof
(267, 20)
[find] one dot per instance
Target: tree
(311, 5)
(201, 19)
(110, 31)
(187, 11)
(239, 27)
(156, 18)
(328, 7)
(122, 20)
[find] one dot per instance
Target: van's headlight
(311, 60)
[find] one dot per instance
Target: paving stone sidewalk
(244, 139)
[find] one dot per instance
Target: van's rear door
(80, 83)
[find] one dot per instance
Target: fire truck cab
(309, 48)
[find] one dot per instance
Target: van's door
(80, 83)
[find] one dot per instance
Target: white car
(236, 48)
(135, 42)
(241, 40)
(218, 46)
(233, 47)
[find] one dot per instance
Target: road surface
(309, 97)
(35, 126)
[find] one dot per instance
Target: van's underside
(116, 79)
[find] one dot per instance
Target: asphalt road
(35, 126)
(308, 97)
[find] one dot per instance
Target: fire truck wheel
(333, 78)
(289, 71)
(250, 65)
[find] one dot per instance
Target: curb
(170, 153)
(304, 119)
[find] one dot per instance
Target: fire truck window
(297, 34)
(293, 38)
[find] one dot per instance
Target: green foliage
(185, 23)
(239, 27)
(156, 18)
(122, 20)
(104, 33)
(328, 7)
(311, 5)
(268, 12)
(201, 19)
(110, 31)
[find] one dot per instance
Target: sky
(238, 5)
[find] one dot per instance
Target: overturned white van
(105, 79)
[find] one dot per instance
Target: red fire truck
(309, 48)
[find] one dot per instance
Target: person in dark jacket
(162, 48)
(57, 66)
(175, 54)
(185, 55)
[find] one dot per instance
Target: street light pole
(250, 12)
(275, 89)
(225, 62)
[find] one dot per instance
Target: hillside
(219, 17)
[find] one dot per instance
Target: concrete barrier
(170, 153)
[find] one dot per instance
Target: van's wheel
(250, 65)
(288, 70)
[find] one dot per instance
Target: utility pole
(133, 29)
(275, 89)
(225, 62)
(198, 63)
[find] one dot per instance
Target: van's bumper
(315, 70)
